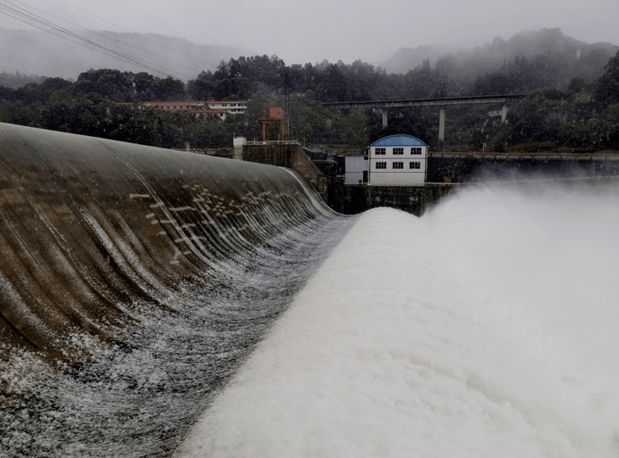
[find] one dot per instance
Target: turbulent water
(136, 398)
(133, 283)
(485, 328)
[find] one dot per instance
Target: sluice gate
(137, 278)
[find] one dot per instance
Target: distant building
(397, 160)
(221, 109)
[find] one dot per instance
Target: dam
(158, 303)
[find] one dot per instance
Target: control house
(397, 160)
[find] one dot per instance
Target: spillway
(487, 328)
(133, 281)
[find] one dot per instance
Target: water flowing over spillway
(166, 304)
(134, 281)
(485, 328)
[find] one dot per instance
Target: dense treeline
(582, 115)
(99, 104)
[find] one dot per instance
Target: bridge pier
(504, 114)
(441, 125)
(385, 119)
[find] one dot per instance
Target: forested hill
(562, 111)
(39, 53)
(564, 56)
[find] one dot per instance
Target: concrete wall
(468, 167)
(411, 199)
(289, 155)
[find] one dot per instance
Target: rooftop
(399, 140)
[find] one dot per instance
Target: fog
(303, 31)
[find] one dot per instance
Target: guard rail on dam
(133, 280)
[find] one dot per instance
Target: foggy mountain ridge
(406, 59)
(40, 53)
(493, 54)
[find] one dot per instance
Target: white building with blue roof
(398, 160)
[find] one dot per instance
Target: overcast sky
(300, 31)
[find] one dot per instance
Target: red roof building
(217, 108)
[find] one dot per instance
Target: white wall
(398, 177)
(355, 165)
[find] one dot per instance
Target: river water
(486, 328)
(137, 397)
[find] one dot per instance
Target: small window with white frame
(398, 165)
(398, 151)
(380, 151)
(381, 165)
(414, 165)
(416, 150)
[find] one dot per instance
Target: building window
(398, 165)
(381, 165)
(398, 151)
(416, 150)
(414, 165)
(380, 151)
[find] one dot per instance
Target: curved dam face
(134, 280)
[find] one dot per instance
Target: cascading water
(485, 328)
(133, 282)
(136, 283)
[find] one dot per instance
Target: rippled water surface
(138, 397)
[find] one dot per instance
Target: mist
(485, 328)
(344, 30)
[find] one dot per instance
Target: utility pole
(287, 102)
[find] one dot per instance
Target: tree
(114, 84)
(145, 86)
(202, 88)
(496, 83)
(335, 88)
(169, 89)
(607, 86)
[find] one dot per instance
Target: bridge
(441, 102)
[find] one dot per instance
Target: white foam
(484, 329)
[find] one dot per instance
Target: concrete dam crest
(134, 280)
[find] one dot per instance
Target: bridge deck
(524, 156)
(438, 101)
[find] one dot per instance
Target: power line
(146, 51)
(26, 16)
(32, 19)
(144, 37)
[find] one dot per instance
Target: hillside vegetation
(572, 104)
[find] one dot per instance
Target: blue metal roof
(399, 140)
